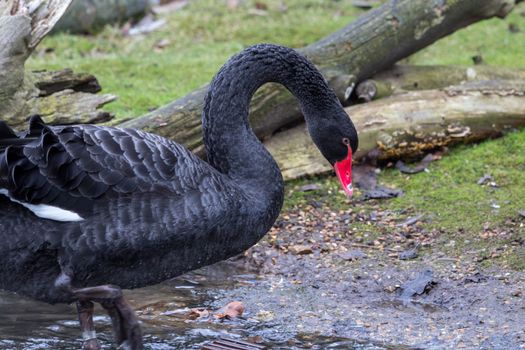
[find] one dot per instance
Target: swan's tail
(8, 137)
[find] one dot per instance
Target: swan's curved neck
(232, 147)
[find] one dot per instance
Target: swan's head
(336, 137)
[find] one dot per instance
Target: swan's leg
(125, 324)
(85, 316)
(129, 324)
(118, 331)
(84, 309)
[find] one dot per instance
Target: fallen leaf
(309, 187)
(476, 278)
(257, 12)
(232, 310)
(365, 178)
(261, 6)
(233, 4)
(256, 339)
(162, 43)
(391, 289)
(355, 254)
(146, 25)
(421, 166)
(484, 178)
(487, 180)
(421, 284)
(227, 343)
(364, 4)
(366, 90)
(381, 192)
(265, 316)
(513, 28)
(196, 313)
(410, 253)
(169, 6)
(494, 205)
(300, 249)
(411, 221)
(477, 59)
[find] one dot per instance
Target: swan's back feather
(71, 167)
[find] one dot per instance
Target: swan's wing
(73, 167)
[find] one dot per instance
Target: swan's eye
(346, 141)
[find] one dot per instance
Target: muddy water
(26, 324)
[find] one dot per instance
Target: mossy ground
(483, 219)
(201, 36)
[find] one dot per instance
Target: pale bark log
(42, 16)
(23, 24)
(88, 16)
(62, 97)
(373, 42)
(410, 124)
(403, 78)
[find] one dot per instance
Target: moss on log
(50, 82)
(61, 97)
(403, 78)
(70, 107)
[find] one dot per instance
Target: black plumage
(148, 209)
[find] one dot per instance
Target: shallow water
(27, 324)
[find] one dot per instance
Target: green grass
(476, 217)
(205, 33)
(201, 38)
(450, 186)
(491, 39)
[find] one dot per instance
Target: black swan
(86, 210)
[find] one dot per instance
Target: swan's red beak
(343, 169)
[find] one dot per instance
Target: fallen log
(62, 97)
(86, 17)
(402, 78)
(23, 24)
(372, 43)
(410, 124)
